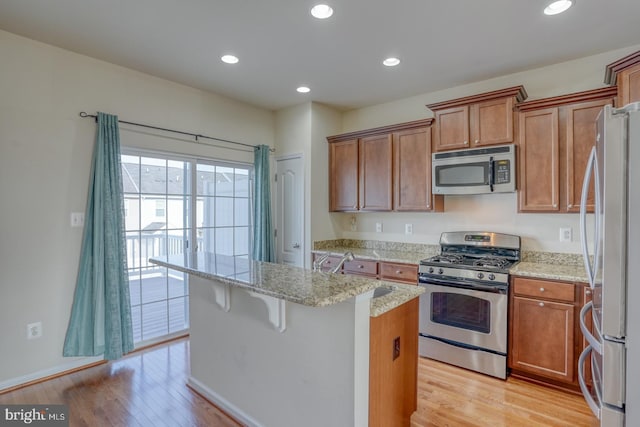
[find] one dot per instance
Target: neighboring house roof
(171, 180)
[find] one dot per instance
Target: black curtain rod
(195, 135)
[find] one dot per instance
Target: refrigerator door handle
(583, 216)
(594, 343)
(593, 405)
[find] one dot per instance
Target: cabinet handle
(541, 289)
(570, 206)
(555, 205)
(477, 141)
(587, 293)
(355, 206)
(541, 304)
(398, 271)
(360, 266)
(466, 143)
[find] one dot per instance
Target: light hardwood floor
(148, 388)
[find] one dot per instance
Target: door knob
(296, 245)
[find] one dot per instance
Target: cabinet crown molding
(555, 101)
(517, 91)
(381, 130)
(612, 70)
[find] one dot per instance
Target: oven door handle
(461, 345)
(500, 289)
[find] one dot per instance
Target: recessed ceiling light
(558, 6)
(321, 11)
(303, 89)
(391, 62)
(229, 59)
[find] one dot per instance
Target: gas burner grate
(447, 259)
(491, 262)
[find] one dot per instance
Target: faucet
(348, 256)
(317, 263)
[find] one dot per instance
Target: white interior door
(289, 210)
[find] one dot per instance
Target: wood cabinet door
(343, 176)
(542, 338)
(539, 161)
(581, 137)
(491, 122)
(376, 167)
(412, 170)
(629, 86)
(452, 128)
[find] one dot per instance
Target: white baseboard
(223, 404)
(68, 366)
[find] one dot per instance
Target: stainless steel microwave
(475, 171)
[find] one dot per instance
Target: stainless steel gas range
(464, 311)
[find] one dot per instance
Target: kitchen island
(275, 345)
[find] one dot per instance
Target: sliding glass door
(166, 214)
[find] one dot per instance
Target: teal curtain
(100, 320)
(263, 243)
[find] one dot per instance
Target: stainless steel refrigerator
(613, 270)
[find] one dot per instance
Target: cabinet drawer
(359, 266)
(329, 263)
(544, 289)
(406, 273)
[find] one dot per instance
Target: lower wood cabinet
(393, 366)
(361, 268)
(397, 272)
(383, 270)
(544, 330)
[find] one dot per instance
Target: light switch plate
(378, 227)
(408, 229)
(566, 234)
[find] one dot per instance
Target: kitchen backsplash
(556, 258)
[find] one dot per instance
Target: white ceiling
(441, 43)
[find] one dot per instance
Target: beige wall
(495, 212)
(302, 129)
(45, 156)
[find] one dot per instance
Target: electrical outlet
(354, 223)
(378, 227)
(77, 219)
(34, 330)
(408, 229)
(396, 348)
(566, 234)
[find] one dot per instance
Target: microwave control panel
(502, 172)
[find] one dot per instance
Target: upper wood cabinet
(625, 74)
(412, 171)
(382, 169)
(555, 138)
(376, 168)
(476, 121)
(343, 175)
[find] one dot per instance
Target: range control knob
(430, 269)
(492, 276)
(480, 275)
(440, 271)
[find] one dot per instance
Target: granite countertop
(567, 273)
(379, 254)
(541, 265)
(290, 283)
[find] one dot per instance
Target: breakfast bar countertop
(293, 284)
